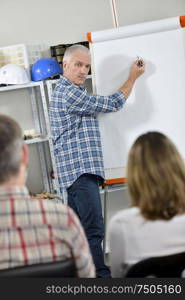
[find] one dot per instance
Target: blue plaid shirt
(76, 135)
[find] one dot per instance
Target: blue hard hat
(45, 68)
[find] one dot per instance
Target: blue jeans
(84, 199)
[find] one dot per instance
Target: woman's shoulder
(126, 215)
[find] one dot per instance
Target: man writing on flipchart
(77, 142)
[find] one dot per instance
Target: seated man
(34, 230)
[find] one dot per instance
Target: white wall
(137, 11)
(51, 22)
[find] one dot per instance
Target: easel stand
(110, 185)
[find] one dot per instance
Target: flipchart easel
(113, 181)
(175, 23)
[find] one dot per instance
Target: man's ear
(24, 155)
(64, 64)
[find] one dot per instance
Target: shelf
(20, 86)
(114, 188)
(54, 81)
(36, 140)
(31, 84)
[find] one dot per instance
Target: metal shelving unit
(41, 123)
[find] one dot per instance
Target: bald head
(75, 48)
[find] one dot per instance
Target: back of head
(10, 148)
(156, 177)
(75, 48)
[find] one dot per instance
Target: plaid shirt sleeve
(80, 247)
(78, 101)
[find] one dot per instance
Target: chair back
(162, 266)
(51, 269)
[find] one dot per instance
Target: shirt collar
(66, 81)
(17, 190)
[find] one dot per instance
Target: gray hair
(11, 141)
(74, 48)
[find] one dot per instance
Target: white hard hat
(13, 74)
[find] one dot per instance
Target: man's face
(77, 67)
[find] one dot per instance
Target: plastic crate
(57, 52)
(22, 55)
(16, 54)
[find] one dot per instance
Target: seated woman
(154, 225)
